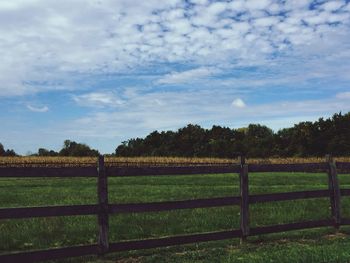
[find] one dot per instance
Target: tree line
(7, 152)
(331, 135)
(304, 139)
(70, 148)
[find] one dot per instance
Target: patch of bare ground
(130, 260)
(338, 235)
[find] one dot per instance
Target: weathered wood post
(103, 206)
(244, 194)
(334, 191)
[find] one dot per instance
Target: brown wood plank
(244, 194)
(172, 205)
(156, 170)
(171, 241)
(287, 196)
(48, 211)
(334, 191)
(289, 227)
(170, 170)
(164, 164)
(102, 191)
(345, 221)
(343, 167)
(345, 192)
(299, 167)
(41, 255)
(48, 172)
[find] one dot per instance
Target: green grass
(315, 245)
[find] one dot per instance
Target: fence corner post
(334, 191)
(102, 191)
(244, 195)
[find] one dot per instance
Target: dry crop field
(148, 161)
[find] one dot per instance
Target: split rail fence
(103, 209)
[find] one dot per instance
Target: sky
(101, 72)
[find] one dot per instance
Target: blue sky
(103, 71)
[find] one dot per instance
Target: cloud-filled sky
(103, 71)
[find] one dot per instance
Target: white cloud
(144, 114)
(217, 7)
(266, 21)
(318, 18)
(96, 37)
(343, 95)
(238, 103)
(98, 99)
(187, 76)
(13, 5)
(237, 6)
(258, 4)
(332, 5)
(38, 109)
(199, 2)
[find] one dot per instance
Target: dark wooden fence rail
(103, 209)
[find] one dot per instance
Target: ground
(314, 245)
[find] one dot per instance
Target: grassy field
(317, 245)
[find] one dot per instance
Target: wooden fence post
(244, 194)
(334, 191)
(103, 207)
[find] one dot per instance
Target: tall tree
(45, 152)
(7, 152)
(71, 148)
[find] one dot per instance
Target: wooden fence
(103, 209)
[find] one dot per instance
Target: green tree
(7, 152)
(259, 141)
(71, 148)
(303, 139)
(45, 152)
(221, 142)
(191, 141)
(2, 150)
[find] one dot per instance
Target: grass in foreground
(317, 245)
